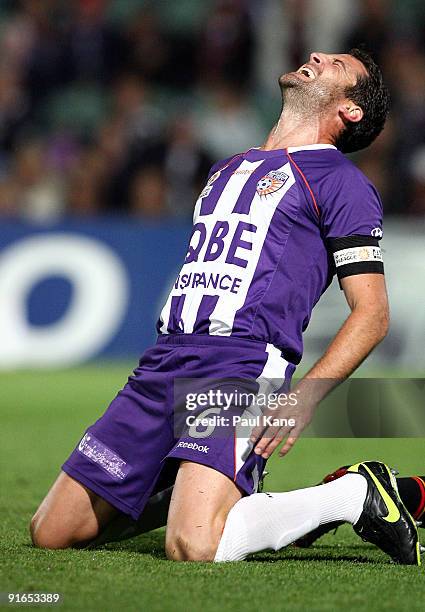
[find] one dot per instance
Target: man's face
(322, 80)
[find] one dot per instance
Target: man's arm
(364, 328)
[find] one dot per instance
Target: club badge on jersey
(273, 181)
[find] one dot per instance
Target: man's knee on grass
(184, 544)
(69, 515)
(52, 532)
(201, 500)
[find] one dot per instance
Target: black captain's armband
(356, 255)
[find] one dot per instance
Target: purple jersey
(270, 230)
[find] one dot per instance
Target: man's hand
(365, 327)
(283, 422)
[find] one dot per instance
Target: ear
(350, 112)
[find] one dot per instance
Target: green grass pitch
(43, 415)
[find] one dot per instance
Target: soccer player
(271, 227)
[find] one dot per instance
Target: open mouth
(307, 72)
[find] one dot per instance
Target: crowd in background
(121, 106)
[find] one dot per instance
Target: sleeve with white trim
(351, 222)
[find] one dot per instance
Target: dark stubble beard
(306, 99)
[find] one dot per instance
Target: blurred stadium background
(111, 113)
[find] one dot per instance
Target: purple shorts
(125, 457)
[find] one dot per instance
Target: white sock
(274, 520)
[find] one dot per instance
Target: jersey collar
(256, 154)
(312, 147)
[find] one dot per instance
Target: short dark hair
(371, 94)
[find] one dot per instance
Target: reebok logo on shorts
(198, 447)
(107, 459)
